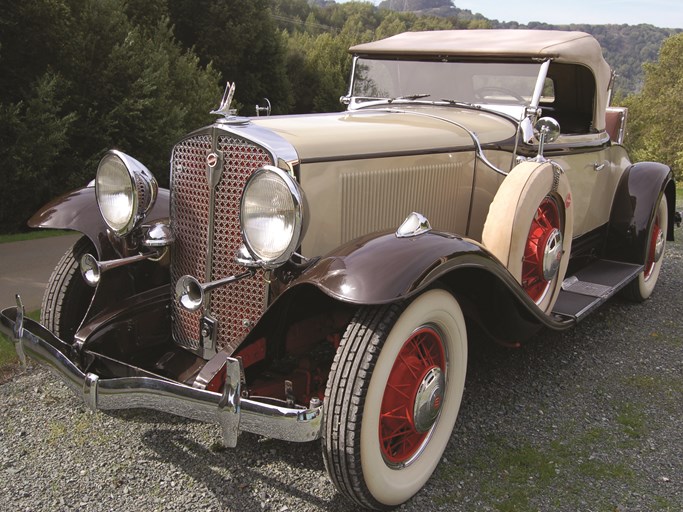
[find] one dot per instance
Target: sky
(660, 13)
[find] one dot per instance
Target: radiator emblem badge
(212, 159)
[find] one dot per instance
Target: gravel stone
(589, 419)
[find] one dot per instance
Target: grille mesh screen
(236, 304)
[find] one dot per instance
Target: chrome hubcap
(552, 254)
(428, 399)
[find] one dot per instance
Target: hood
(391, 130)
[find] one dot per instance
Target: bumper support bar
(227, 409)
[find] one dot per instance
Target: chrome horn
(190, 293)
(92, 270)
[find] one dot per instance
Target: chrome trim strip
(213, 177)
(279, 148)
(473, 136)
(227, 409)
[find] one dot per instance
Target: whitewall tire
(392, 398)
(529, 229)
(642, 287)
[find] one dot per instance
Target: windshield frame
(516, 110)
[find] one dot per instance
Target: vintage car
(315, 276)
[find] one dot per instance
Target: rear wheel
(67, 296)
(392, 398)
(642, 287)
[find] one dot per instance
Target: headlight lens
(271, 215)
(125, 191)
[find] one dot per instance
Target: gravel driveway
(587, 420)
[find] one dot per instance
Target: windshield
(480, 83)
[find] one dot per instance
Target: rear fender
(633, 208)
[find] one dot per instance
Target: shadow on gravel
(232, 475)
(583, 419)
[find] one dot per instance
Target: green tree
(392, 24)
(241, 40)
(655, 122)
(34, 133)
(78, 77)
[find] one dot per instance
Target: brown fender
(77, 210)
(633, 208)
(381, 268)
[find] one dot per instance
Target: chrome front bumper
(233, 413)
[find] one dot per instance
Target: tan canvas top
(562, 46)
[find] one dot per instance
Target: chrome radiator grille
(235, 306)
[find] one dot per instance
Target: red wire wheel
(413, 396)
(543, 250)
(392, 397)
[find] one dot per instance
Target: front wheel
(67, 296)
(392, 398)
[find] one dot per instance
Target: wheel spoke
(544, 223)
(401, 389)
(398, 436)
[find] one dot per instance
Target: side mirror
(546, 130)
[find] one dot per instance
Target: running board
(593, 285)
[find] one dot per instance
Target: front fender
(382, 268)
(633, 208)
(77, 210)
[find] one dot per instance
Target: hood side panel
(349, 199)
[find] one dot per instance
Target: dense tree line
(78, 77)
(656, 124)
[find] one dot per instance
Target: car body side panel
(487, 182)
(594, 168)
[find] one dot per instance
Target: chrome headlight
(125, 191)
(271, 214)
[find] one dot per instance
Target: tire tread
(347, 384)
(58, 301)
